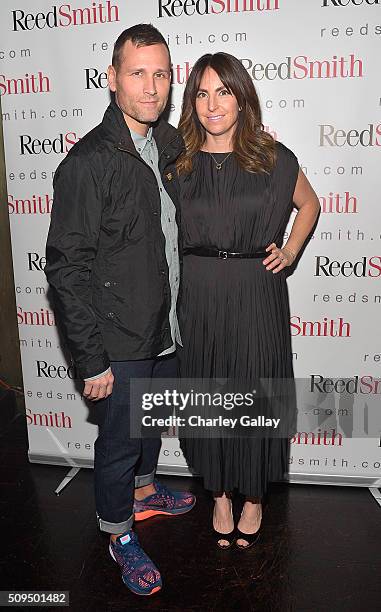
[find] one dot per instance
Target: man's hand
(99, 388)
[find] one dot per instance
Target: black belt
(206, 252)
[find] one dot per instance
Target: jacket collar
(166, 136)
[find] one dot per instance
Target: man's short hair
(141, 35)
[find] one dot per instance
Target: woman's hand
(278, 258)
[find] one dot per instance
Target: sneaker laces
(175, 499)
(135, 562)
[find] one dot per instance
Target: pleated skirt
(235, 322)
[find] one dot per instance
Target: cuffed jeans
(122, 463)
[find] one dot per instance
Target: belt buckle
(223, 254)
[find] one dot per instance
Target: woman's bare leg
(222, 515)
(251, 518)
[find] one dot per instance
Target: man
(113, 265)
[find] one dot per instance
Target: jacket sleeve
(70, 252)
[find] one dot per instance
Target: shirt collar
(141, 141)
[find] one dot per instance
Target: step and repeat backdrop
(316, 68)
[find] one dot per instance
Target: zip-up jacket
(105, 253)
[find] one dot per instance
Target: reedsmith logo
(177, 8)
(304, 67)
(366, 266)
(35, 146)
(363, 385)
(64, 16)
(332, 137)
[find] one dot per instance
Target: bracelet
(289, 251)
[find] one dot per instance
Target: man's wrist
(93, 367)
(98, 375)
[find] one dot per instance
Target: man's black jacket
(105, 251)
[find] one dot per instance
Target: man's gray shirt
(147, 149)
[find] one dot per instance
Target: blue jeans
(122, 463)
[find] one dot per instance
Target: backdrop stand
(376, 494)
(68, 478)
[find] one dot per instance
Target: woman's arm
(307, 203)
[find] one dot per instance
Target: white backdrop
(316, 67)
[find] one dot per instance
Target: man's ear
(111, 78)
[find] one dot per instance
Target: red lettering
(376, 266)
(69, 143)
(378, 133)
(303, 68)
(221, 4)
(66, 16)
(29, 419)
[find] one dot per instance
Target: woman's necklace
(219, 164)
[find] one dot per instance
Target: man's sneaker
(163, 502)
(139, 574)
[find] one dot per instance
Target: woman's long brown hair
(254, 148)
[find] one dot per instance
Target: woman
(238, 188)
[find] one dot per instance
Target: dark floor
(320, 548)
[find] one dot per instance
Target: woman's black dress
(234, 314)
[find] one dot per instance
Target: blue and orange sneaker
(163, 502)
(139, 574)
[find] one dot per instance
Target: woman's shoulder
(286, 160)
(284, 153)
